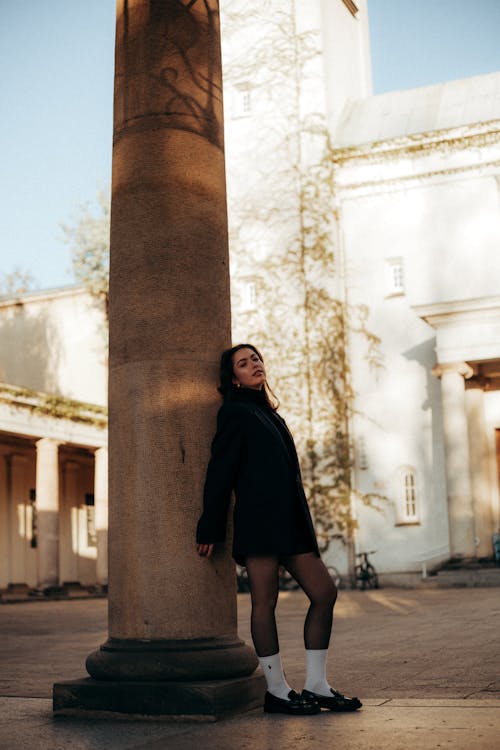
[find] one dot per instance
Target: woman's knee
(326, 596)
(264, 603)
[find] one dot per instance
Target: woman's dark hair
(227, 388)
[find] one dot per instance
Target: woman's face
(248, 369)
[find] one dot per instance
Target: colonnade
(467, 461)
(48, 493)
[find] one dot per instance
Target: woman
(253, 453)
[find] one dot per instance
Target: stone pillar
(47, 509)
(480, 467)
(69, 542)
(18, 524)
(456, 443)
(101, 513)
(172, 615)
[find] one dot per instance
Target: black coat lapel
(267, 422)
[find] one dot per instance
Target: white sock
(316, 680)
(275, 677)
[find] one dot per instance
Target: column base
(219, 658)
(207, 700)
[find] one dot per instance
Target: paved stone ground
(425, 663)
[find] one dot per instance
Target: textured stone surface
(423, 662)
(392, 725)
(209, 700)
(169, 318)
(184, 660)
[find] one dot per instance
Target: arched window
(407, 505)
(409, 494)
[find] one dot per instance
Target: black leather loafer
(295, 705)
(334, 702)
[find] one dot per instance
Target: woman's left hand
(204, 550)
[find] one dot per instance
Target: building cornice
(51, 405)
(412, 161)
(419, 144)
(43, 295)
(466, 330)
(401, 181)
(446, 313)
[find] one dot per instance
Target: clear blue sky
(56, 89)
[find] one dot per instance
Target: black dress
(253, 453)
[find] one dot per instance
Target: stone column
(480, 467)
(69, 544)
(456, 443)
(19, 522)
(101, 513)
(47, 509)
(172, 615)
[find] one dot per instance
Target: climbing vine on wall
(284, 236)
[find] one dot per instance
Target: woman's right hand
(204, 550)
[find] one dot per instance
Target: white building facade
(53, 442)
(416, 238)
(418, 177)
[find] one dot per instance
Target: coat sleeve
(220, 477)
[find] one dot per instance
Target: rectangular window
(246, 102)
(242, 101)
(395, 276)
(249, 295)
(362, 457)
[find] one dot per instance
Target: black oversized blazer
(251, 456)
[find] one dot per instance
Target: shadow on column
(173, 649)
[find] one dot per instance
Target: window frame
(395, 272)
(242, 101)
(248, 292)
(407, 504)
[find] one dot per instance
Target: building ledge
(52, 405)
(441, 312)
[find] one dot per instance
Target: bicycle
(242, 585)
(286, 582)
(366, 577)
(334, 575)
